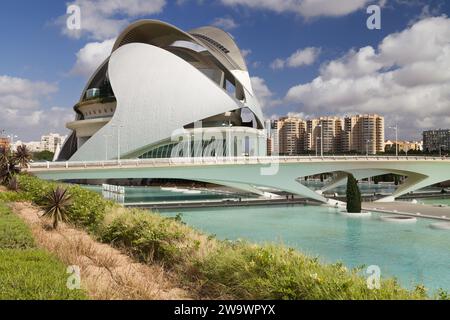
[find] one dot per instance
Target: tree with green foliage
(353, 195)
(43, 156)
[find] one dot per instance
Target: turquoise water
(415, 254)
(365, 187)
(157, 194)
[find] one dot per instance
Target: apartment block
(4, 144)
(360, 133)
(52, 142)
(272, 137)
(363, 134)
(291, 133)
(436, 140)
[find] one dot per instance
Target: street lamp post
(106, 145)
(317, 146)
(11, 138)
(119, 126)
(367, 147)
(321, 139)
(396, 138)
(440, 149)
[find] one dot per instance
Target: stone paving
(408, 208)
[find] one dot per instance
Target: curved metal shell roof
(158, 33)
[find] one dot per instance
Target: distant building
(363, 134)
(436, 140)
(51, 142)
(403, 146)
(312, 135)
(291, 133)
(332, 133)
(33, 146)
(4, 144)
(272, 137)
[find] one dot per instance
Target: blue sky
(41, 75)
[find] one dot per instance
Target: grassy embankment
(27, 272)
(207, 266)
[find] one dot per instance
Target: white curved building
(167, 93)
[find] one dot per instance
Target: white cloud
(225, 23)
(314, 8)
(306, 8)
(353, 64)
(246, 52)
(299, 58)
(104, 19)
(91, 56)
(406, 78)
(263, 93)
(22, 113)
(277, 64)
(21, 94)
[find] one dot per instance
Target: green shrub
(273, 272)
(35, 189)
(147, 236)
(87, 208)
(12, 196)
(14, 234)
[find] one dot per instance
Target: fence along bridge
(251, 173)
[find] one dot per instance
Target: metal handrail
(218, 160)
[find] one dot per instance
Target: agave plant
(22, 156)
(56, 206)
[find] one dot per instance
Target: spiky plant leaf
(57, 203)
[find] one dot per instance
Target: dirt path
(106, 273)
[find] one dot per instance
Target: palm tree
(4, 158)
(13, 184)
(22, 156)
(56, 207)
(8, 168)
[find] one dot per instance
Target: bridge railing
(219, 160)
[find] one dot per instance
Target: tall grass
(14, 234)
(27, 272)
(33, 274)
(249, 271)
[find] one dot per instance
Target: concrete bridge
(250, 174)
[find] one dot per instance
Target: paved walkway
(407, 208)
